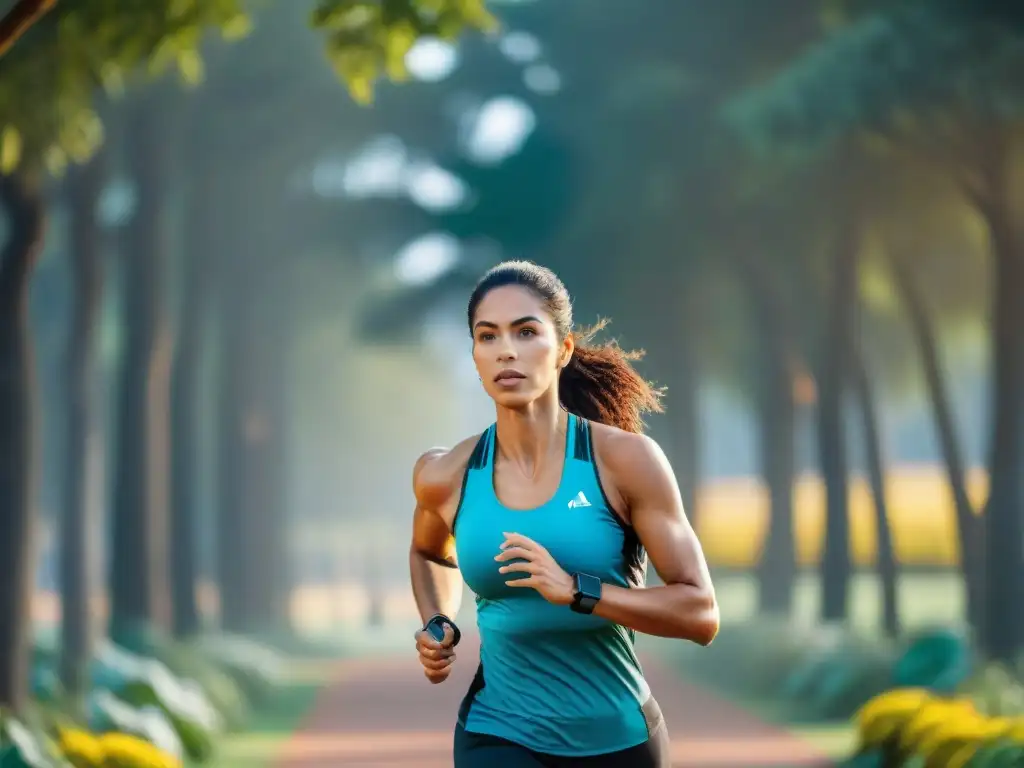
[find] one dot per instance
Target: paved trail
(381, 713)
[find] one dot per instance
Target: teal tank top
(552, 680)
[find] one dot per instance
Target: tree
(48, 119)
(81, 522)
(139, 587)
(267, 79)
(936, 80)
(46, 97)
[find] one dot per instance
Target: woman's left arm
(685, 607)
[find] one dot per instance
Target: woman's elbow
(703, 629)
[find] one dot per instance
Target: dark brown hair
(599, 383)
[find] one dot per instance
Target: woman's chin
(514, 398)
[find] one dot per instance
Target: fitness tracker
(435, 627)
(587, 593)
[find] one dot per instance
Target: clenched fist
(436, 657)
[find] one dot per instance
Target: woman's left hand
(544, 574)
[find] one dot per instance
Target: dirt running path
(382, 713)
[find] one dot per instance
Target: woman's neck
(530, 436)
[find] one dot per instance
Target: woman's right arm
(436, 581)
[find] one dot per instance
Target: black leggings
(477, 750)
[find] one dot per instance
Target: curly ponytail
(599, 383)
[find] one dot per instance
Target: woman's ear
(568, 350)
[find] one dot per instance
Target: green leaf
(10, 149)
(190, 66)
(237, 27)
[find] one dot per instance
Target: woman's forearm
(437, 588)
(680, 611)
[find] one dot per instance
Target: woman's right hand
(436, 657)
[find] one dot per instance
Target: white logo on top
(579, 500)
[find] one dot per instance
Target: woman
(550, 515)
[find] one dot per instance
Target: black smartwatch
(435, 627)
(587, 593)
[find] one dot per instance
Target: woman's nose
(507, 352)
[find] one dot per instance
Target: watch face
(588, 586)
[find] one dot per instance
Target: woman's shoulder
(628, 459)
(438, 472)
(621, 448)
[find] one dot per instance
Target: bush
(827, 672)
(918, 727)
(189, 661)
(108, 714)
(822, 673)
(22, 746)
(751, 659)
(147, 684)
(256, 668)
(939, 659)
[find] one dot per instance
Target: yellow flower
(934, 716)
(80, 748)
(123, 750)
(881, 717)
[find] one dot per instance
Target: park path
(380, 712)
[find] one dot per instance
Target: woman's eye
(526, 332)
(486, 336)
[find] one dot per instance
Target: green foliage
(159, 703)
(829, 671)
(147, 687)
(257, 669)
(834, 681)
(52, 77)
(22, 746)
(189, 663)
(938, 659)
(368, 38)
(915, 67)
(111, 714)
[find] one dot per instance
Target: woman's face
(515, 346)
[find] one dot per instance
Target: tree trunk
(778, 365)
(251, 535)
(82, 522)
(835, 357)
(887, 571)
(776, 409)
(969, 525)
(1003, 628)
(187, 392)
(140, 593)
(683, 412)
(232, 529)
(675, 367)
(24, 206)
(266, 460)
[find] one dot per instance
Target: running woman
(550, 516)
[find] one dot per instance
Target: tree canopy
(917, 68)
(51, 77)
